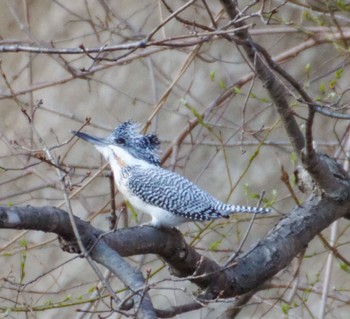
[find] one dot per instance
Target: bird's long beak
(98, 141)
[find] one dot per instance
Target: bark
(270, 255)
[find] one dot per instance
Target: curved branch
(270, 255)
(251, 269)
(54, 220)
(133, 278)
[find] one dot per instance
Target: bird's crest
(129, 128)
(144, 147)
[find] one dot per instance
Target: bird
(169, 198)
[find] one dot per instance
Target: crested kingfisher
(168, 197)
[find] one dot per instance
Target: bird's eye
(120, 141)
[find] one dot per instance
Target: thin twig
(235, 254)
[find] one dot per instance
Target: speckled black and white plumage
(168, 197)
(177, 195)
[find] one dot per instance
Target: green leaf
(342, 5)
(132, 211)
(23, 243)
(323, 88)
(285, 308)
(293, 179)
(222, 84)
(344, 267)
(255, 196)
(68, 298)
(332, 84)
(308, 70)
(92, 289)
(212, 75)
(293, 158)
(237, 90)
(265, 100)
(197, 115)
(215, 245)
(252, 95)
(339, 73)
(48, 303)
(23, 265)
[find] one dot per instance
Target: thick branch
(328, 173)
(169, 244)
(108, 257)
(54, 220)
(265, 259)
(290, 236)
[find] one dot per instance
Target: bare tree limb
(133, 278)
(249, 270)
(54, 220)
(289, 237)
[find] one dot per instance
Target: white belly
(160, 217)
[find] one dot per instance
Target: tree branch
(251, 269)
(289, 237)
(54, 220)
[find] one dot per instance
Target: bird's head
(126, 142)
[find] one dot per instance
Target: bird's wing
(174, 193)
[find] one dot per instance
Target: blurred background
(181, 79)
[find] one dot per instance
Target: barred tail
(248, 209)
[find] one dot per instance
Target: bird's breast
(120, 162)
(120, 173)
